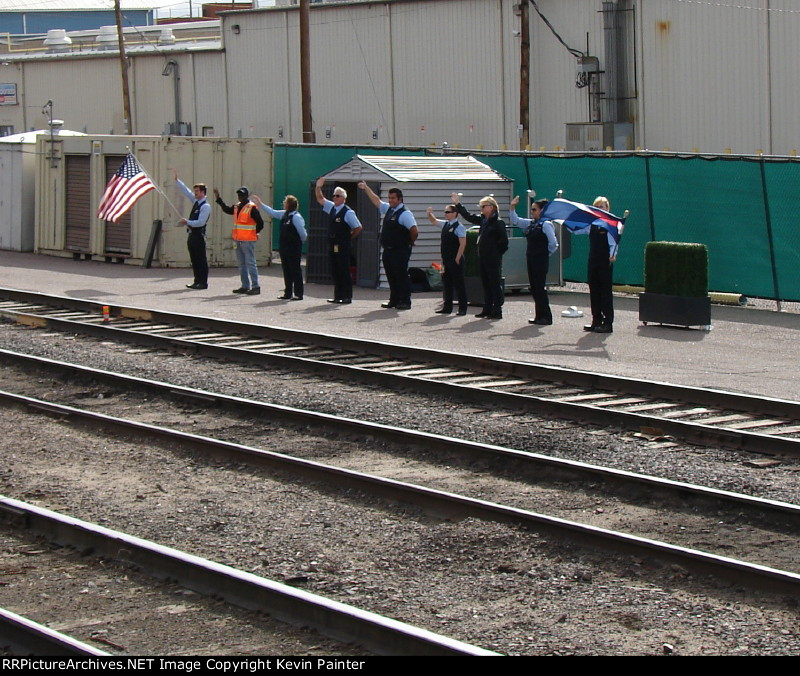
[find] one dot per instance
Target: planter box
(674, 310)
(475, 289)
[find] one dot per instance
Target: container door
(118, 235)
(78, 216)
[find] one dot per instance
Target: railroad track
(444, 504)
(342, 622)
(708, 416)
(534, 467)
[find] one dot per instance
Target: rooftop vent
(57, 40)
(107, 37)
(167, 37)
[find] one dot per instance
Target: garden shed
(424, 181)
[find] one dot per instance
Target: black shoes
(589, 327)
(598, 328)
(197, 286)
(334, 300)
(340, 301)
(461, 313)
(387, 305)
(297, 298)
(255, 291)
(482, 315)
(402, 306)
(285, 296)
(241, 290)
(540, 322)
(443, 311)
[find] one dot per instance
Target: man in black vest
(343, 228)
(196, 225)
(398, 234)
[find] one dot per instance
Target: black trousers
(340, 271)
(601, 298)
(292, 272)
(492, 283)
(453, 279)
(395, 263)
(197, 254)
(537, 276)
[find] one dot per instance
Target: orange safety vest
(244, 227)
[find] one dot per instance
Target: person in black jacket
(492, 244)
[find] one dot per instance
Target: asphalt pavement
(747, 350)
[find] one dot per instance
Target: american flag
(125, 187)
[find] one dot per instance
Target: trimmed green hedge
(676, 269)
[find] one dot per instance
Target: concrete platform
(748, 350)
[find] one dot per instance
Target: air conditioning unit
(590, 136)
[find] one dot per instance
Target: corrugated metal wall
(222, 163)
(694, 97)
(710, 75)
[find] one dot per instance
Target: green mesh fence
(742, 209)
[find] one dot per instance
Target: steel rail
(22, 636)
(482, 364)
(698, 431)
(744, 440)
(337, 620)
(543, 465)
(447, 505)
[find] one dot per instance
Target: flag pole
(619, 230)
(155, 185)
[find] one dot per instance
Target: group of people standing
(397, 236)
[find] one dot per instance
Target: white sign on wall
(8, 94)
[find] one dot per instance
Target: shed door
(366, 252)
(78, 216)
(118, 235)
(318, 267)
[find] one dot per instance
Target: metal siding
(448, 84)
(85, 93)
(555, 100)
(258, 72)
(784, 51)
(208, 89)
(153, 94)
(704, 69)
(16, 196)
(76, 20)
(350, 75)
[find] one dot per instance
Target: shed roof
(448, 168)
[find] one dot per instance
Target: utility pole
(126, 96)
(305, 74)
(524, 76)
